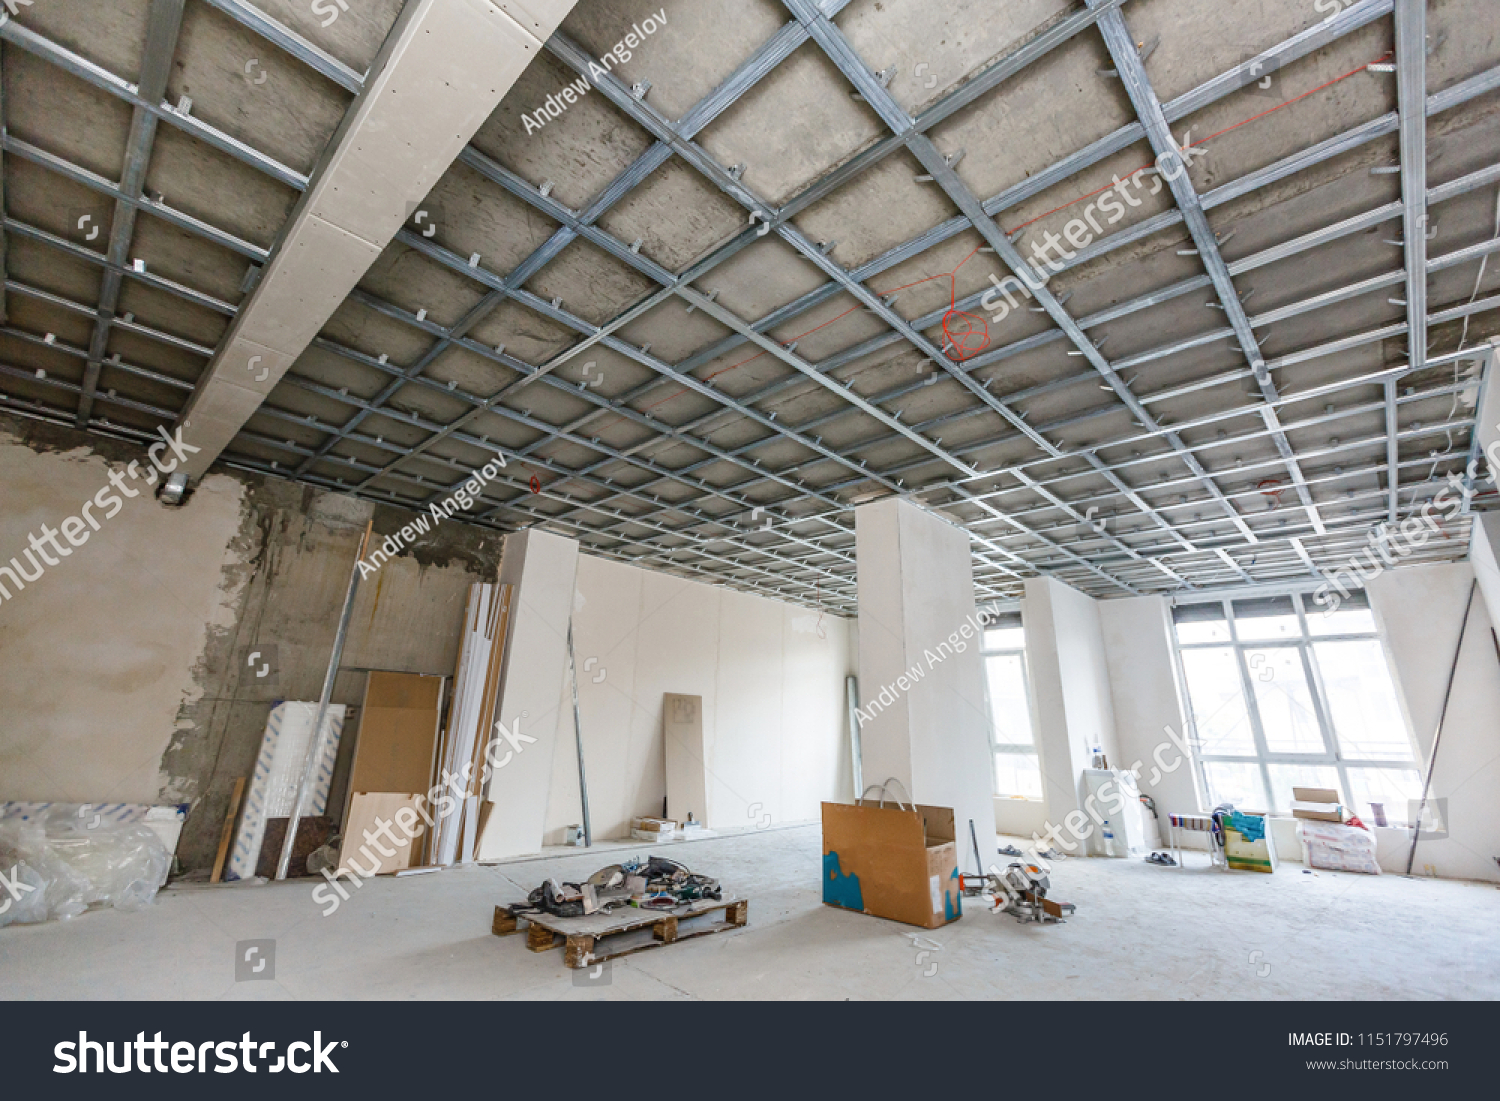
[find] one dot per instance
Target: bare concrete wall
(125, 671)
(99, 655)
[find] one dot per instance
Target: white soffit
(445, 68)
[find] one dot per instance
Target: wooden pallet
(598, 937)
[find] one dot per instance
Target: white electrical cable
(1479, 279)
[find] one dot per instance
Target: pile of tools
(1020, 890)
(653, 884)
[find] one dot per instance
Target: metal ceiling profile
(736, 485)
(444, 67)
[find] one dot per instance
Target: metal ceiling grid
(819, 557)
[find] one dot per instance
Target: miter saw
(1020, 890)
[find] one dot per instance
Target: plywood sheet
(687, 763)
(361, 854)
(398, 730)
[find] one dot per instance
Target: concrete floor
(1140, 932)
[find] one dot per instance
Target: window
(1282, 695)
(1017, 771)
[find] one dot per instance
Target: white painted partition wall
(1419, 610)
(534, 701)
(771, 676)
(916, 592)
(1148, 701)
(1071, 689)
(1484, 559)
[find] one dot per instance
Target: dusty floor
(1140, 932)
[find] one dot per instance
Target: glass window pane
(1345, 621)
(1286, 777)
(1362, 701)
(1009, 713)
(1217, 702)
(1332, 613)
(1285, 704)
(1200, 623)
(1235, 782)
(1005, 638)
(1266, 619)
(1018, 774)
(1395, 789)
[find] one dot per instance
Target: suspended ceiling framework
(734, 289)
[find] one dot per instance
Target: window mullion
(1314, 674)
(1252, 707)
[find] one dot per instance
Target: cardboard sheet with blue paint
(893, 862)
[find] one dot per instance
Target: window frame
(992, 622)
(1331, 756)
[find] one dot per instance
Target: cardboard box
(1317, 804)
(653, 825)
(653, 829)
(892, 863)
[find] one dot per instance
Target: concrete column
(924, 695)
(1070, 683)
(535, 699)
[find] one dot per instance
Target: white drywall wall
(1484, 559)
(1071, 690)
(1147, 700)
(771, 676)
(916, 600)
(534, 694)
(1419, 610)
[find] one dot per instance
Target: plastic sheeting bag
(112, 865)
(23, 896)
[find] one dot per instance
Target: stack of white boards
(476, 690)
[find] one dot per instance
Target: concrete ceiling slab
(274, 105)
(933, 50)
(194, 178)
(593, 284)
(353, 34)
(60, 113)
(789, 131)
(675, 215)
(1058, 106)
(579, 151)
(699, 47)
(1051, 426)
